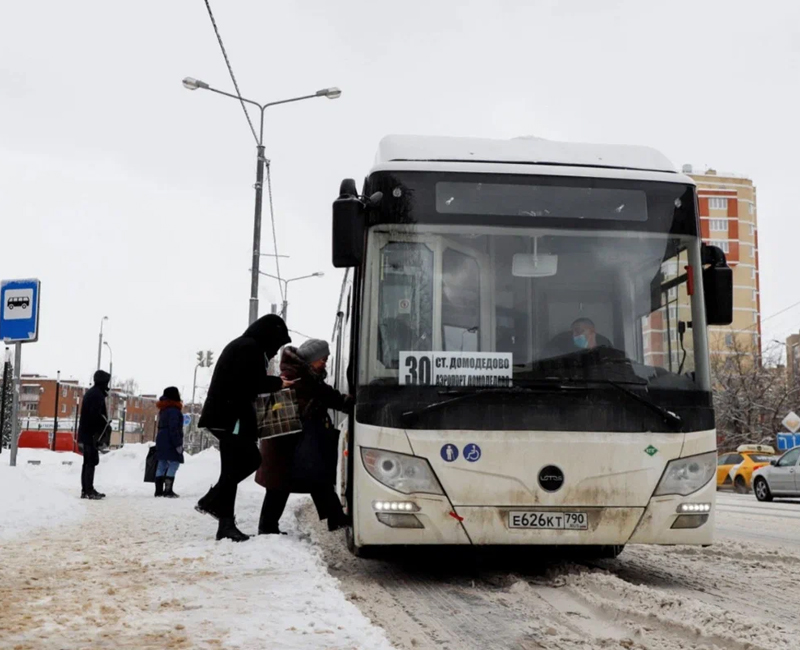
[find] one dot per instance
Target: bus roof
(524, 150)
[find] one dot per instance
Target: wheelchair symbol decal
(472, 453)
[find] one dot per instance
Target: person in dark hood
(306, 462)
(169, 441)
(91, 430)
(229, 413)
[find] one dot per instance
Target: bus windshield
(523, 317)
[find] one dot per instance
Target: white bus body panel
(609, 476)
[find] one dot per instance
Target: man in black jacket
(229, 413)
(92, 428)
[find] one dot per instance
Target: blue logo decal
(449, 453)
(472, 453)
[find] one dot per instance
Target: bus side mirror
(717, 287)
(348, 230)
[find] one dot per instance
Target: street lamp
(285, 307)
(100, 343)
(191, 83)
(110, 362)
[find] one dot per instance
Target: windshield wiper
(670, 418)
(550, 384)
(459, 395)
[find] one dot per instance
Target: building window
(63, 392)
(723, 245)
(753, 273)
(755, 316)
(729, 340)
(752, 229)
(752, 207)
(755, 295)
(718, 225)
(718, 203)
(63, 408)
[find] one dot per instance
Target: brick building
(729, 219)
(38, 406)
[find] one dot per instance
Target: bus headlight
(401, 472)
(684, 476)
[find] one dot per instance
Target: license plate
(548, 520)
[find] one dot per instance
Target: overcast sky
(131, 197)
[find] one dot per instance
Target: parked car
(735, 469)
(781, 478)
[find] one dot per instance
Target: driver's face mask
(581, 341)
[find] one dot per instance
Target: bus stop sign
(19, 311)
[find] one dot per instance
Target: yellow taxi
(735, 469)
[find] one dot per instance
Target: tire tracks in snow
(651, 598)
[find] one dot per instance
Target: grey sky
(130, 196)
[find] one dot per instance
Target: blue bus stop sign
(19, 311)
(187, 419)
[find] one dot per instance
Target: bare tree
(752, 394)
(129, 386)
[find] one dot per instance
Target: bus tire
(604, 552)
(357, 551)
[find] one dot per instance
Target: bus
(523, 324)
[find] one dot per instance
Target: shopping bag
(150, 466)
(278, 414)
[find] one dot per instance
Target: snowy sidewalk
(139, 572)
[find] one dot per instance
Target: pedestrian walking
(229, 413)
(169, 441)
(91, 431)
(306, 462)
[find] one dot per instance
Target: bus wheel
(740, 485)
(762, 490)
(357, 551)
(605, 552)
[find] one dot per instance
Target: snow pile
(27, 501)
(147, 572)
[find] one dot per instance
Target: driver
(584, 334)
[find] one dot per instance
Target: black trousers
(91, 459)
(239, 458)
(325, 501)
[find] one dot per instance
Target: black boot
(271, 510)
(168, 482)
(228, 530)
(207, 505)
(97, 494)
(159, 486)
(91, 495)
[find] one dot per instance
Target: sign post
(19, 323)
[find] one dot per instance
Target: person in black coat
(91, 430)
(306, 462)
(169, 441)
(229, 413)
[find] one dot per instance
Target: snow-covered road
(741, 517)
(740, 594)
(144, 573)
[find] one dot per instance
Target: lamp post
(285, 307)
(100, 342)
(331, 93)
(55, 412)
(110, 363)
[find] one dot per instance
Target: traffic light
(209, 358)
(200, 361)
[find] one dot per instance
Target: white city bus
(523, 324)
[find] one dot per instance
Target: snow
(134, 571)
(520, 150)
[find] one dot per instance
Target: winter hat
(172, 394)
(313, 350)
